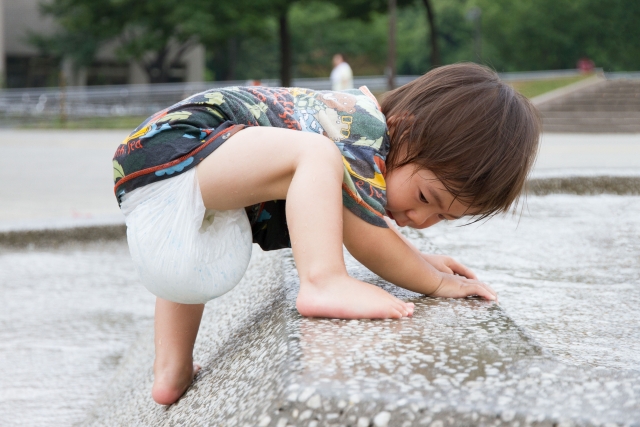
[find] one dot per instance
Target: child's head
(476, 134)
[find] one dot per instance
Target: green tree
(149, 33)
(226, 26)
(433, 33)
(554, 34)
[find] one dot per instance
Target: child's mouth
(390, 216)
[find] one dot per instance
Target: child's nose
(424, 217)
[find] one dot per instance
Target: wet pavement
(69, 314)
(560, 349)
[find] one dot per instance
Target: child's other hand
(449, 265)
(452, 286)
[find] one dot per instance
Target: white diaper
(183, 252)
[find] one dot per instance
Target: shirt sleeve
(363, 185)
(364, 152)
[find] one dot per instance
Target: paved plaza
(55, 177)
(60, 178)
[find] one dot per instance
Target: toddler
(313, 170)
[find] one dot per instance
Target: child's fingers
(490, 290)
(462, 270)
(473, 287)
(482, 290)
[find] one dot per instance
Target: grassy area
(119, 122)
(532, 88)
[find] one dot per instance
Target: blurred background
(110, 48)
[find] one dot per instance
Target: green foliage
(322, 28)
(454, 36)
(365, 10)
(319, 29)
(554, 34)
(150, 33)
(241, 37)
(319, 32)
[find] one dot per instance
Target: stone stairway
(610, 106)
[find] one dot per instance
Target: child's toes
(410, 306)
(404, 309)
(396, 313)
(399, 305)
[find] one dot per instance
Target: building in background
(22, 65)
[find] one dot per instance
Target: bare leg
(307, 171)
(176, 328)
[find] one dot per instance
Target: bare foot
(344, 297)
(170, 384)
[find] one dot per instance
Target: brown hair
(474, 132)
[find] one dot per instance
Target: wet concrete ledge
(569, 184)
(585, 185)
(455, 363)
(57, 236)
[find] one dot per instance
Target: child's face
(419, 200)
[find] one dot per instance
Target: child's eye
(423, 199)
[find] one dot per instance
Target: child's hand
(452, 286)
(449, 265)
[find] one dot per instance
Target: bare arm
(442, 263)
(387, 254)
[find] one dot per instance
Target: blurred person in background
(341, 75)
(585, 65)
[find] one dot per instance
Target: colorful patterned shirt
(178, 138)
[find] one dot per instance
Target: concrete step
(591, 108)
(591, 114)
(630, 91)
(611, 106)
(600, 100)
(581, 128)
(593, 120)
